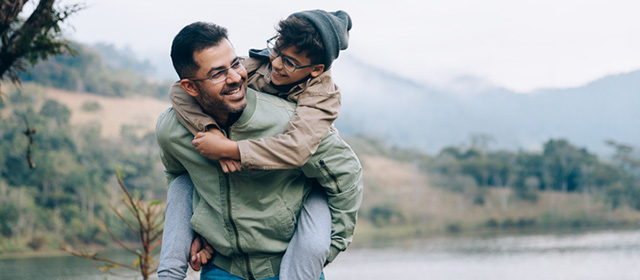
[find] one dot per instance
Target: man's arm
(172, 166)
(337, 169)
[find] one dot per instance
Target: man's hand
(210, 144)
(201, 253)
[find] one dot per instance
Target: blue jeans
(211, 272)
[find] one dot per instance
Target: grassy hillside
(112, 113)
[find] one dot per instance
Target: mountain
(413, 114)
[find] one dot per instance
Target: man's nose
(233, 76)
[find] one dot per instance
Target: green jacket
(250, 216)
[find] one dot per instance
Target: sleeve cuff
(333, 253)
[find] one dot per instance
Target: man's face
(223, 98)
(281, 76)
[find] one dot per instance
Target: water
(583, 256)
(595, 255)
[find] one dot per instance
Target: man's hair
(300, 32)
(192, 38)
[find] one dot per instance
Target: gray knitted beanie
(333, 28)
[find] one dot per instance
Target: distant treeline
(560, 166)
(101, 69)
(560, 186)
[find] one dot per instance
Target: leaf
(136, 262)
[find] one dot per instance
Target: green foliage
(8, 219)
(87, 71)
(27, 41)
(55, 110)
(91, 106)
(63, 198)
(559, 167)
(145, 220)
(384, 215)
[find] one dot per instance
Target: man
(249, 217)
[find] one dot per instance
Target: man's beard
(213, 106)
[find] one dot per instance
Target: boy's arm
(339, 172)
(188, 111)
(318, 107)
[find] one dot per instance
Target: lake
(590, 255)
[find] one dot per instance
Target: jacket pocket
(286, 220)
(339, 168)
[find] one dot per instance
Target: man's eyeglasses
(288, 62)
(221, 75)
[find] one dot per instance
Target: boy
(293, 66)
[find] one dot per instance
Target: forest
(65, 198)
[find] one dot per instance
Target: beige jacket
(318, 106)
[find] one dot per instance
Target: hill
(112, 113)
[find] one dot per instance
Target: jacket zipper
(235, 228)
(333, 176)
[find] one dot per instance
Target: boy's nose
(277, 63)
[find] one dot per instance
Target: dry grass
(115, 112)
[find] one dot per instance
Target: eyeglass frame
(224, 71)
(274, 49)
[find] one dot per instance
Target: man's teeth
(234, 91)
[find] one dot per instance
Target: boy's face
(281, 76)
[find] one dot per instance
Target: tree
(24, 42)
(145, 220)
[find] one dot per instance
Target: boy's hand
(210, 144)
(201, 253)
(230, 165)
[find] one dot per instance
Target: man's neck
(226, 120)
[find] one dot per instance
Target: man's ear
(317, 70)
(190, 87)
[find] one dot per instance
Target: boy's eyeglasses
(286, 61)
(221, 75)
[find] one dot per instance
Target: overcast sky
(521, 45)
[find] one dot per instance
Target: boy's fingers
(237, 164)
(232, 168)
(205, 256)
(225, 169)
(230, 165)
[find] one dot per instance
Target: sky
(516, 44)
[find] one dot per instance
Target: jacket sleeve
(339, 172)
(188, 111)
(172, 166)
(317, 108)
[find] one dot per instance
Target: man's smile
(234, 94)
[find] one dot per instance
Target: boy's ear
(317, 70)
(190, 87)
